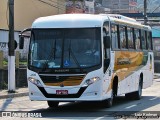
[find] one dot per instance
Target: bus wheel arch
(109, 102)
(115, 86)
(141, 79)
(137, 94)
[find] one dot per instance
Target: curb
(13, 95)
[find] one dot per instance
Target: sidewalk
(156, 75)
(18, 93)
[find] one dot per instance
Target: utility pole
(11, 47)
(145, 12)
(58, 6)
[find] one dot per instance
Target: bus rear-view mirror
(24, 34)
(106, 40)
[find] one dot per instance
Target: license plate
(62, 92)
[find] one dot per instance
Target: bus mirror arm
(21, 42)
(106, 41)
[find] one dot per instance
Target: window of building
(157, 48)
(156, 41)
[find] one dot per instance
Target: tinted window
(65, 48)
(149, 40)
(137, 38)
(114, 36)
(143, 39)
(130, 38)
(123, 39)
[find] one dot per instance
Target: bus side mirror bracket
(106, 41)
(21, 42)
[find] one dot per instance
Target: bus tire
(129, 96)
(52, 104)
(137, 95)
(109, 102)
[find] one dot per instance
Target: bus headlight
(91, 81)
(35, 81)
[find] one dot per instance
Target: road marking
(63, 103)
(101, 117)
(153, 98)
(130, 106)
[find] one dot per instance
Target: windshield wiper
(54, 49)
(53, 53)
(74, 58)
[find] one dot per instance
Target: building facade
(26, 11)
(156, 42)
(90, 6)
(75, 6)
(121, 6)
(156, 48)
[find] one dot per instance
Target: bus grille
(62, 80)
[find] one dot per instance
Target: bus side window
(130, 38)
(149, 40)
(114, 36)
(143, 39)
(123, 39)
(146, 36)
(137, 39)
(107, 50)
(106, 33)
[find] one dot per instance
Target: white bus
(84, 57)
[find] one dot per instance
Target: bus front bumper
(89, 93)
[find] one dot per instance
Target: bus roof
(130, 23)
(84, 21)
(69, 21)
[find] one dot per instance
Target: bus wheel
(137, 95)
(109, 102)
(129, 96)
(52, 104)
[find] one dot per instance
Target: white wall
(4, 44)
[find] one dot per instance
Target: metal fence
(21, 75)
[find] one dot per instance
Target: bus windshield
(65, 48)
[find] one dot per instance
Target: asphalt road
(149, 104)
